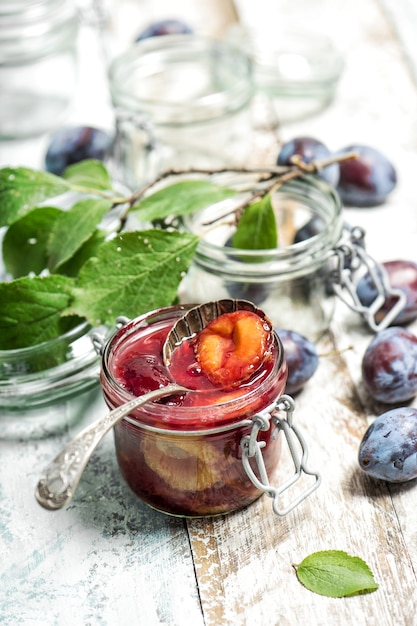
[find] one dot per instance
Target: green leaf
(30, 309)
(133, 273)
(25, 242)
(89, 174)
(22, 188)
(74, 228)
(181, 198)
(257, 228)
(335, 574)
(88, 249)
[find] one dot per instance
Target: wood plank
(105, 559)
(252, 551)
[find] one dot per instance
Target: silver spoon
(60, 478)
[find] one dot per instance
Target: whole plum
(367, 180)
(76, 143)
(301, 357)
(388, 449)
(165, 27)
(389, 365)
(402, 275)
(309, 149)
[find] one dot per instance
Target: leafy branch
(69, 251)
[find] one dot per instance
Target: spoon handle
(60, 478)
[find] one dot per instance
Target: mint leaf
(74, 228)
(131, 274)
(25, 242)
(335, 574)
(89, 174)
(22, 188)
(181, 198)
(257, 228)
(30, 310)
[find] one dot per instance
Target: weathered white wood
(105, 559)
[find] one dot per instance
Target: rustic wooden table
(107, 559)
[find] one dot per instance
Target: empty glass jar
(318, 257)
(47, 387)
(288, 282)
(181, 101)
(38, 41)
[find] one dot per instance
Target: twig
(278, 174)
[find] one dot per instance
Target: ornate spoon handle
(60, 478)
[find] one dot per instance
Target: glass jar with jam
(190, 454)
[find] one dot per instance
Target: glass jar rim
(289, 260)
(293, 60)
(145, 54)
(73, 333)
(32, 378)
(179, 416)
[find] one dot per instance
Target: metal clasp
(251, 447)
(351, 257)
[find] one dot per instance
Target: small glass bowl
(46, 387)
(298, 71)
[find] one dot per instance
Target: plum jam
(182, 454)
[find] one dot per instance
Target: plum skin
(301, 357)
(402, 275)
(367, 180)
(389, 365)
(73, 144)
(309, 149)
(388, 450)
(165, 27)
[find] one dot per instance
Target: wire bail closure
(351, 256)
(252, 448)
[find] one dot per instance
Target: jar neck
(216, 410)
(181, 80)
(295, 204)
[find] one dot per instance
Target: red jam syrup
(182, 454)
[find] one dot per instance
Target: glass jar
(181, 101)
(37, 65)
(186, 457)
(297, 71)
(289, 282)
(47, 387)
